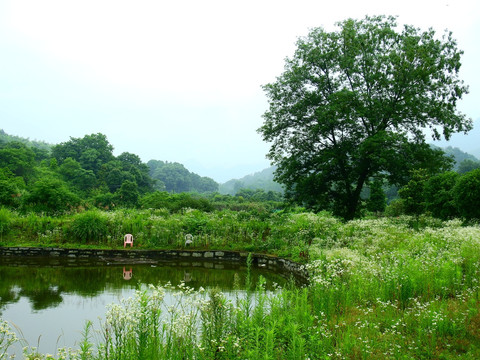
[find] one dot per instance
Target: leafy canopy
(353, 104)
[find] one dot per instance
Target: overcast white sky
(178, 80)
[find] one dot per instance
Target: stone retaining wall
(132, 256)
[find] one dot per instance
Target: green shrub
(104, 201)
(395, 208)
(175, 202)
(52, 196)
(128, 194)
(155, 200)
(9, 193)
(188, 201)
(90, 226)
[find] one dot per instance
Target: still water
(48, 300)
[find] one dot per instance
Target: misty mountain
(459, 156)
(264, 179)
(5, 138)
(174, 177)
(468, 143)
(259, 180)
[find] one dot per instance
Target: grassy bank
(287, 235)
(388, 288)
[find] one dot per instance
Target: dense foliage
(174, 177)
(353, 104)
(83, 173)
(446, 195)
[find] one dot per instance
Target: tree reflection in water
(50, 299)
(44, 280)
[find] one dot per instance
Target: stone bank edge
(146, 256)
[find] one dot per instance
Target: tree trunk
(352, 203)
(352, 208)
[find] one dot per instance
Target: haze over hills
(259, 180)
(226, 172)
(469, 143)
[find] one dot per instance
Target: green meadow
(380, 288)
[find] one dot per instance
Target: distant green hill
(466, 142)
(174, 177)
(259, 180)
(459, 156)
(5, 138)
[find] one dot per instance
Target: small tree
(11, 188)
(51, 195)
(128, 194)
(377, 200)
(467, 195)
(412, 193)
(439, 197)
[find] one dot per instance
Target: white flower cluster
(7, 338)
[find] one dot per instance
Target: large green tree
(353, 104)
(17, 158)
(91, 151)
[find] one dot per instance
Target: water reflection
(45, 281)
(127, 274)
(50, 299)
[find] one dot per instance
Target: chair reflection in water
(127, 274)
(128, 239)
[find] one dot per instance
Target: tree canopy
(82, 172)
(174, 177)
(352, 106)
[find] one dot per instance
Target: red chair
(128, 239)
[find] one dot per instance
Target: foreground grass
(386, 288)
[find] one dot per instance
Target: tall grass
(287, 235)
(91, 225)
(5, 221)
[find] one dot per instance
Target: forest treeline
(83, 172)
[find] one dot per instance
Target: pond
(48, 300)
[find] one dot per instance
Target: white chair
(188, 239)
